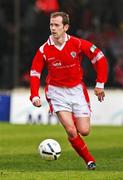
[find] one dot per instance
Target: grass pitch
(19, 158)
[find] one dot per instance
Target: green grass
(19, 158)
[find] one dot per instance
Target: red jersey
(64, 63)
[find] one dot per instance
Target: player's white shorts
(74, 100)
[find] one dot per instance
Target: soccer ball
(49, 149)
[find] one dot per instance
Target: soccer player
(65, 91)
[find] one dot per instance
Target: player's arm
(35, 74)
(100, 65)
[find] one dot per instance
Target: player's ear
(66, 27)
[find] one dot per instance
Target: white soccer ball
(49, 149)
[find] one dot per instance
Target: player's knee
(85, 132)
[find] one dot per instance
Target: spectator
(118, 72)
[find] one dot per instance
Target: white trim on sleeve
(97, 57)
(35, 99)
(35, 73)
(99, 85)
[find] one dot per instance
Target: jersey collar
(51, 42)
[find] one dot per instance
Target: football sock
(81, 148)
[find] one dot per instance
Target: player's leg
(83, 127)
(66, 120)
(74, 138)
(81, 113)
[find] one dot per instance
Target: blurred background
(24, 26)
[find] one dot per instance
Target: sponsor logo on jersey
(92, 49)
(56, 63)
(73, 54)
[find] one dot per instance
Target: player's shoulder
(43, 46)
(82, 42)
(74, 38)
(77, 39)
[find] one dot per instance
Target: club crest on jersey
(73, 54)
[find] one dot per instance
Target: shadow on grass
(107, 160)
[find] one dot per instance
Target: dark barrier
(4, 107)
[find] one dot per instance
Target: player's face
(57, 28)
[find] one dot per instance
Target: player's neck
(59, 41)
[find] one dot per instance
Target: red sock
(81, 148)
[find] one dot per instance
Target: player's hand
(99, 92)
(36, 101)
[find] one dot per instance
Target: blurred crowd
(99, 21)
